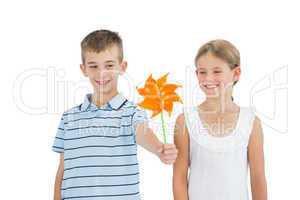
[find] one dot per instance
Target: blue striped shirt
(100, 152)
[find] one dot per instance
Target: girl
(218, 139)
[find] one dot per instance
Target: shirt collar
(114, 103)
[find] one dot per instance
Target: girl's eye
(217, 72)
(202, 72)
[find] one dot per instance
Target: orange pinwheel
(158, 96)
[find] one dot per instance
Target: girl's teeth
(211, 86)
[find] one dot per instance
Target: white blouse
(218, 165)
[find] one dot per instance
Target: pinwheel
(159, 96)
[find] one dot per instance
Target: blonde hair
(221, 49)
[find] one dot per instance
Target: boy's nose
(102, 72)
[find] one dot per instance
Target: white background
(40, 55)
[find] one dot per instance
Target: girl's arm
(58, 178)
(181, 165)
(256, 162)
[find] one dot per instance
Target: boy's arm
(180, 169)
(148, 140)
(256, 162)
(58, 178)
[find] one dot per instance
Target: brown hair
(100, 40)
(222, 49)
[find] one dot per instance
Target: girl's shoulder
(180, 125)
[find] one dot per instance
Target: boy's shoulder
(71, 111)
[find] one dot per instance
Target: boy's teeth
(102, 82)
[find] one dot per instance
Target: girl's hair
(221, 49)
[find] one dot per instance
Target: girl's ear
(83, 69)
(236, 73)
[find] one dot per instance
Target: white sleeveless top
(218, 165)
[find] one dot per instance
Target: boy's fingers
(169, 161)
(160, 150)
(170, 151)
(169, 146)
(169, 157)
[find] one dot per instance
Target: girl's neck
(219, 104)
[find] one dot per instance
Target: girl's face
(215, 76)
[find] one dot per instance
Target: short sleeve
(58, 144)
(140, 116)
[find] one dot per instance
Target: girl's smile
(214, 75)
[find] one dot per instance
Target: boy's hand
(167, 153)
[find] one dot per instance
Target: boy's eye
(202, 72)
(217, 72)
(109, 66)
(93, 66)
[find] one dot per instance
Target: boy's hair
(222, 49)
(101, 40)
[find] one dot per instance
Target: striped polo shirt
(100, 151)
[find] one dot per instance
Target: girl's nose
(210, 77)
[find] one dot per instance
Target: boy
(97, 139)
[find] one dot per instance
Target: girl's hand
(167, 153)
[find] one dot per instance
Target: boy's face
(103, 69)
(215, 76)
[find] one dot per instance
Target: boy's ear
(123, 67)
(237, 73)
(83, 69)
